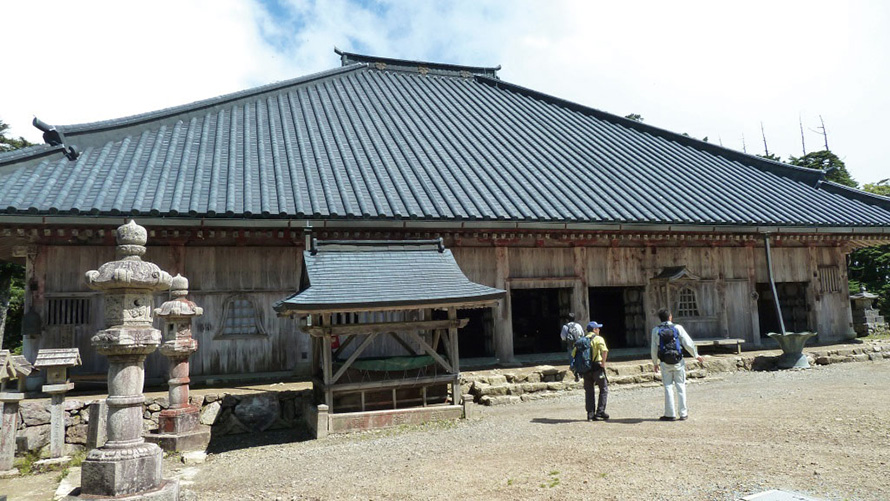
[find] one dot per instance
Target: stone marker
(127, 467)
(11, 367)
(179, 428)
(55, 363)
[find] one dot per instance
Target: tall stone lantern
(127, 466)
(178, 425)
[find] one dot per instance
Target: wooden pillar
(35, 286)
(503, 321)
(327, 362)
(752, 288)
(581, 294)
(455, 358)
(840, 254)
(716, 256)
(815, 296)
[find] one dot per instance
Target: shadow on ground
(612, 420)
(247, 440)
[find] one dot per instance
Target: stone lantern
(127, 466)
(866, 319)
(179, 428)
(55, 363)
(12, 367)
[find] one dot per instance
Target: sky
(734, 72)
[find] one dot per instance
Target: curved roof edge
(803, 174)
(349, 58)
(29, 153)
(850, 192)
(101, 126)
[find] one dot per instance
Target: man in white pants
(673, 375)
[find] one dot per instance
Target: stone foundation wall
(510, 386)
(224, 412)
(232, 413)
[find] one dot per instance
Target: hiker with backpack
(668, 341)
(589, 360)
(570, 333)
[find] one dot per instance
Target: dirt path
(824, 432)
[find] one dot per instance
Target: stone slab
(195, 440)
(358, 421)
(168, 491)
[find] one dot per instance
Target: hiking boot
(596, 417)
(666, 418)
(603, 416)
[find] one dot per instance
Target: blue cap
(593, 325)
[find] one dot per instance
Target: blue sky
(715, 69)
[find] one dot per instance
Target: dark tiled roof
(356, 275)
(448, 144)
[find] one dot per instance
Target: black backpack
(582, 363)
(669, 349)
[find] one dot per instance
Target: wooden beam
(348, 329)
(392, 383)
(430, 351)
(405, 345)
(358, 351)
(359, 308)
(344, 344)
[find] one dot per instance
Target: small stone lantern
(11, 367)
(179, 428)
(126, 465)
(55, 363)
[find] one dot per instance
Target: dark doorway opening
(792, 301)
(475, 339)
(537, 319)
(620, 310)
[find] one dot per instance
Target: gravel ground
(823, 432)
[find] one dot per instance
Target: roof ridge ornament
(55, 137)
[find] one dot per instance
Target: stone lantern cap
(63, 357)
(129, 271)
(179, 306)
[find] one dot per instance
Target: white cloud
(711, 69)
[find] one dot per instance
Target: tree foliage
(12, 276)
(10, 143)
(771, 156)
(827, 161)
(871, 266)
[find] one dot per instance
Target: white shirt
(576, 332)
(685, 341)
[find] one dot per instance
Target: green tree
(771, 156)
(871, 266)
(10, 143)
(827, 161)
(12, 276)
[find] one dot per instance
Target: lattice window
(241, 318)
(687, 306)
(830, 278)
(68, 311)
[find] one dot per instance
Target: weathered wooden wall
(264, 274)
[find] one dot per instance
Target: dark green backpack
(582, 363)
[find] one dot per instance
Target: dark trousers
(595, 377)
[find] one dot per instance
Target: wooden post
(752, 285)
(580, 292)
(455, 357)
(327, 362)
(503, 321)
